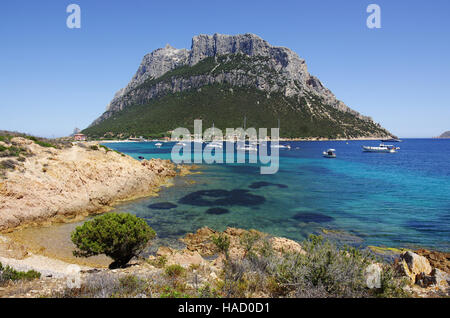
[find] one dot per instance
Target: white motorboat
(215, 144)
(381, 148)
(280, 146)
(330, 153)
(158, 144)
(248, 148)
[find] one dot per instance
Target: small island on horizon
(445, 135)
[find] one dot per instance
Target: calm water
(396, 200)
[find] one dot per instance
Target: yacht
(215, 144)
(381, 148)
(247, 148)
(280, 146)
(158, 144)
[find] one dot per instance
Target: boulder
(164, 251)
(436, 278)
(417, 264)
(437, 259)
(186, 259)
(282, 245)
(373, 275)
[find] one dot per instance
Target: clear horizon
(55, 78)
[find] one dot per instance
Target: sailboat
(280, 145)
(214, 143)
(252, 146)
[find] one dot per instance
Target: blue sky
(53, 79)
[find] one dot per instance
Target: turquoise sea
(394, 200)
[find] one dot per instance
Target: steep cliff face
(232, 60)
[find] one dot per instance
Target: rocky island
(222, 79)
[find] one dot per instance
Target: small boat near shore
(158, 144)
(381, 148)
(330, 153)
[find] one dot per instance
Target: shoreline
(223, 140)
(67, 185)
(200, 255)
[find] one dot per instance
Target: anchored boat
(330, 153)
(381, 148)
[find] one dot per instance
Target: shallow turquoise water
(397, 200)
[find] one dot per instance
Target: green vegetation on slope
(226, 106)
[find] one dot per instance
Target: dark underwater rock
(222, 198)
(162, 206)
(313, 217)
(260, 184)
(217, 211)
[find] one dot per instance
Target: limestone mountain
(221, 79)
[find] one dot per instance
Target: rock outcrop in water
(244, 61)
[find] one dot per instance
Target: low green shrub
(119, 236)
(129, 285)
(222, 243)
(106, 148)
(40, 142)
(159, 262)
(5, 138)
(324, 270)
(174, 270)
(10, 274)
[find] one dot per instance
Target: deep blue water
(395, 200)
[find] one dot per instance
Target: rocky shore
(200, 270)
(46, 184)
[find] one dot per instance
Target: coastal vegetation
(7, 136)
(320, 270)
(8, 274)
(119, 236)
(252, 264)
(238, 263)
